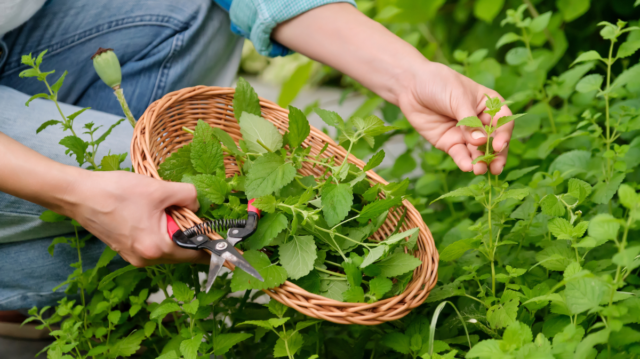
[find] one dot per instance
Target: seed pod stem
(125, 107)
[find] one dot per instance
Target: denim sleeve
(255, 19)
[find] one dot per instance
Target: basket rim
(141, 161)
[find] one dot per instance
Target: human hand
(127, 212)
(436, 98)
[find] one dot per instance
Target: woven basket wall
(159, 133)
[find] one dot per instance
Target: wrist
(72, 190)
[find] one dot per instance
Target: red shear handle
(251, 208)
(172, 226)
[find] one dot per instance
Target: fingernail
(477, 134)
(502, 168)
(503, 147)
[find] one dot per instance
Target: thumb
(180, 194)
(475, 136)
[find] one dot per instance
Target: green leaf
(127, 346)
(245, 99)
(445, 291)
(255, 128)
(375, 209)
(191, 307)
(109, 277)
(353, 295)
(626, 194)
(292, 346)
(374, 161)
(517, 56)
(506, 119)
(507, 39)
(333, 289)
(298, 255)
(379, 286)
(561, 228)
(265, 203)
(149, 328)
(627, 258)
(398, 263)
(56, 241)
(52, 217)
(278, 309)
(206, 152)
(572, 9)
(310, 282)
(603, 192)
(337, 200)
(273, 274)
(579, 189)
(540, 23)
(291, 88)
(551, 206)
(47, 124)
(486, 349)
(587, 56)
(585, 348)
(268, 228)
(277, 322)
(177, 165)
(456, 249)
(226, 140)
(330, 118)
(472, 121)
(503, 314)
(460, 192)
(515, 174)
(110, 163)
(375, 254)
(306, 324)
(604, 227)
(163, 309)
(399, 236)
(584, 294)
(299, 128)
(487, 10)
(518, 194)
(397, 341)
(268, 173)
(56, 86)
(212, 187)
(589, 83)
(571, 163)
(189, 347)
(76, 146)
(114, 316)
(556, 257)
(107, 255)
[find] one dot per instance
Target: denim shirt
(256, 19)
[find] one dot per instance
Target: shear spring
(217, 225)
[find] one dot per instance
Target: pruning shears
(221, 250)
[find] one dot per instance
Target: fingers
(460, 155)
(180, 194)
(479, 168)
(497, 166)
(473, 135)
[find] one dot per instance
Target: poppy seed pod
(107, 66)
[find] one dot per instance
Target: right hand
(127, 212)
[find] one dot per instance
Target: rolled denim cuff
(256, 19)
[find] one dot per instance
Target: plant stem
(606, 103)
(188, 130)
(125, 107)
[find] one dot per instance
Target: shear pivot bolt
(220, 246)
(199, 238)
(235, 231)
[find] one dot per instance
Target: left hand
(437, 98)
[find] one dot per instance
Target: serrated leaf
(507, 39)
(579, 189)
(330, 118)
(268, 173)
(561, 228)
(46, 124)
(584, 294)
(255, 128)
(626, 194)
(149, 328)
(460, 192)
(299, 127)
(379, 286)
(273, 274)
(163, 309)
(268, 228)
(128, 346)
(52, 217)
(472, 121)
(265, 203)
(353, 295)
(333, 289)
(603, 191)
(587, 56)
(76, 146)
(551, 206)
(375, 209)
(337, 200)
(212, 187)
(628, 48)
(556, 257)
(374, 161)
(174, 167)
(298, 255)
(397, 341)
(589, 83)
(292, 346)
(517, 56)
(375, 254)
(506, 119)
(398, 263)
(540, 23)
(206, 152)
(456, 249)
(503, 314)
(189, 347)
(245, 99)
(515, 174)
(604, 227)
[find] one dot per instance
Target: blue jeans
(163, 45)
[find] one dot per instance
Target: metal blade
(233, 256)
(214, 268)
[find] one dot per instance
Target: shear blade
(233, 256)
(214, 268)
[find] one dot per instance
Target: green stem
(549, 112)
(125, 107)
(54, 98)
(264, 146)
(330, 272)
(606, 102)
(188, 130)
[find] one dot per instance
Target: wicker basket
(159, 133)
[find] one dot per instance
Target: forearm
(340, 36)
(31, 176)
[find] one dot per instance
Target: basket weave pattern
(159, 133)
